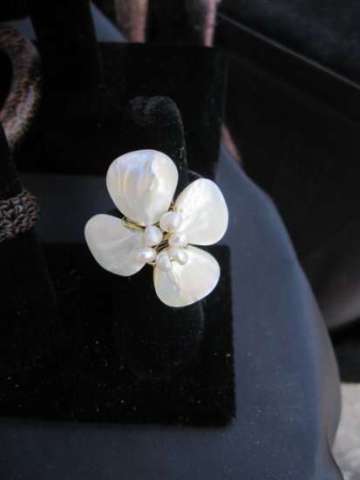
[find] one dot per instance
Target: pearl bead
(146, 255)
(179, 255)
(163, 262)
(170, 221)
(178, 240)
(152, 236)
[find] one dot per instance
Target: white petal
(170, 221)
(204, 212)
(186, 284)
(114, 246)
(142, 185)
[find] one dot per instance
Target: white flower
(156, 231)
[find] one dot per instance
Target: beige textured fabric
(347, 445)
(131, 17)
(22, 101)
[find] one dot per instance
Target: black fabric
(69, 61)
(293, 71)
(15, 9)
(9, 182)
(299, 140)
(174, 24)
(28, 311)
(323, 30)
(346, 343)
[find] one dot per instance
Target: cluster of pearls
(164, 244)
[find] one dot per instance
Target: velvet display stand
(141, 361)
(278, 368)
(122, 367)
(28, 313)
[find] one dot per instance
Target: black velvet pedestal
(251, 388)
(28, 310)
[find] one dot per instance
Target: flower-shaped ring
(157, 231)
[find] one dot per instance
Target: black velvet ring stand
(28, 313)
(147, 362)
(128, 360)
(265, 409)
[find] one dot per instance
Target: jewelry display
(158, 231)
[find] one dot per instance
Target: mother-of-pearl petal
(204, 212)
(114, 246)
(142, 185)
(188, 283)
